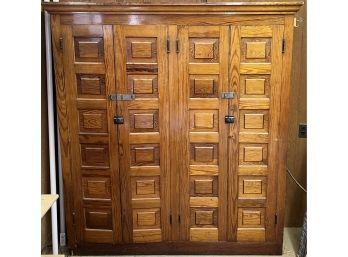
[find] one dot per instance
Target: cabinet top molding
(156, 7)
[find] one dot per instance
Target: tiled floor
(290, 246)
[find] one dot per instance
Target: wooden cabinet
(173, 124)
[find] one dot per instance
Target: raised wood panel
(146, 218)
(98, 218)
(204, 120)
(147, 154)
(204, 217)
(141, 50)
(94, 155)
(143, 120)
(203, 50)
(89, 49)
(256, 50)
(96, 188)
(204, 154)
(89, 85)
(143, 85)
(93, 121)
(145, 187)
(204, 186)
(256, 86)
(254, 121)
(204, 86)
(251, 217)
(252, 187)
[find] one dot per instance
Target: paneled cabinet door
(203, 76)
(142, 71)
(89, 78)
(256, 70)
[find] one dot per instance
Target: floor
(290, 246)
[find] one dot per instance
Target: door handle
(229, 119)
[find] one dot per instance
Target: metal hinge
(283, 46)
(179, 219)
(61, 43)
(170, 219)
(177, 46)
(168, 46)
(73, 218)
(227, 95)
(121, 97)
(297, 21)
(275, 219)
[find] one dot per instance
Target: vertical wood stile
(63, 127)
(174, 136)
(164, 130)
(233, 134)
(70, 80)
(184, 135)
(283, 126)
(275, 115)
(114, 162)
(223, 128)
(124, 154)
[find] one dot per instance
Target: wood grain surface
(174, 170)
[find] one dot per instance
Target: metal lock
(229, 119)
(118, 120)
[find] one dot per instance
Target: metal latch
(118, 120)
(229, 119)
(121, 97)
(227, 95)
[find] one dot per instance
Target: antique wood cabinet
(173, 124)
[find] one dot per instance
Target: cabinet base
(270, 248)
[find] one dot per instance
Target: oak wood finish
(174, 177)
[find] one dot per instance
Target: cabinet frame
(274, 15)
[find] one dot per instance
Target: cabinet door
(203, 76)
(142, 70)
(89, 79)
(256, 70)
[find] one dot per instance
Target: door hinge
(121, 97)
(177, 46)
(283, 46)
(61, 43)
(73, 218)
(179, 219)
(170, 219)
(276, 219)
(168, 46)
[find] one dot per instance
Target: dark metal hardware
(302, 131)
(276, 219)
(177, 46)
(229, 119)
(168, 46)
(179, 219)
(61, 44)
(283, 46)
(118, 120)
(121, 97)
(170, 219)
(227, 95)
